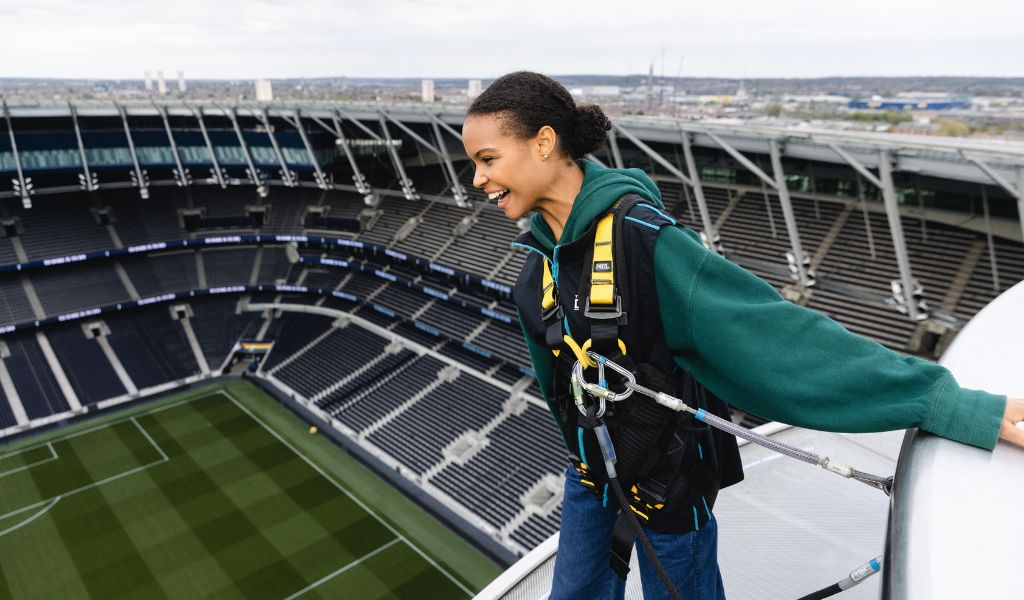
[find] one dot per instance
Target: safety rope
(604, 394)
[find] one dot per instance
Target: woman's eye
(487, 160)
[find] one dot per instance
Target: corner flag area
(219, 493)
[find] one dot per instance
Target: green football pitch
(217, 493)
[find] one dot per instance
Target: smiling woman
(610, 270)
(525, 134)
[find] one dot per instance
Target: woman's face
(505, 162)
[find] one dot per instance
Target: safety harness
(674, 449)
(661, 459)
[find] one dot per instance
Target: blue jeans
(582, 570)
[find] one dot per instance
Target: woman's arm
(781, 361)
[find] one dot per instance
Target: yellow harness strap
(548, 301)
(602, 285)
(602, 270)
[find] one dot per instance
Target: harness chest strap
(602, 288)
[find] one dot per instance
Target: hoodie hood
(601, 188)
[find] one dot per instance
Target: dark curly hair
(527, 101)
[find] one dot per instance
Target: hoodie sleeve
(763, 354)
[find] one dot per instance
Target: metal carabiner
(578, 386)
(599, 391)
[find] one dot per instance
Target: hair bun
(591, 131)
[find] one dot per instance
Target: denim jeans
(582, 570)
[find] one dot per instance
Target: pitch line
(329, 576)
(30, 519)
(53, 456)
(359, 502)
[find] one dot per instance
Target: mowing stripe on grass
(86, 487)
(105, 557)
(221, 526)
(330, 576)
(51, 457)
(432, 562)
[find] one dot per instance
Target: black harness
(671, 466)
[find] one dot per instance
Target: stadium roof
(972, 160)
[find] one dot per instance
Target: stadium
(269, 349)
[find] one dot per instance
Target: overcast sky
(469, 38)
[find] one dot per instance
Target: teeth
(497, 195)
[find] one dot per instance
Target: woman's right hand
(1013, 416)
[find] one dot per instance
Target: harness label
(603, 266)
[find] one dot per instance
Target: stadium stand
(408, 401)
(34, 381)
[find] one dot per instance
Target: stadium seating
(397, 400)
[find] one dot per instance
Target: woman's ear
(545, 142)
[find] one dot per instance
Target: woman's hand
(1014, 414)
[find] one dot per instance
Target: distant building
(181, 81)
(918, 101)
(598, 90)
(474, 89)
(149, 82)
(264, 91)
(427, 90)
(161, 84)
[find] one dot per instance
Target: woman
(716, 322)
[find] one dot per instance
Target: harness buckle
(650, 495)
(604, 312)
(554, 311)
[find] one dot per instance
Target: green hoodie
(765, 355)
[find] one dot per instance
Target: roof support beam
(215, 170)
(1020, 197)
(743, 160)
(369, 196)
(892, 211)
(22, 186)
(447, 127)
(181, 174)
(803, 278)
(857, 166)
(141, 178)
(613, 145)
(988, 237)
(357, 123)
(867, 219)
(407, 187)
(996, 177)
(296, 122)
(658, 158)
(458, 192)
(251, 170)
(412, 133)
(87, 179)
(711, 239)
(1015, 191)
(287, 176)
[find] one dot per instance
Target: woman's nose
(478, 179)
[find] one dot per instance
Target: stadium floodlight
(24, 189)
(371, 199)
(88, 181)
(916, 301)
(794, 271)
